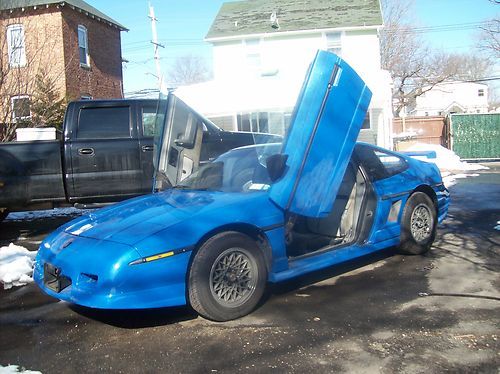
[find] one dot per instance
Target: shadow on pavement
(137, 318)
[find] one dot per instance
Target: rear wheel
(418, 225)
(227, 277)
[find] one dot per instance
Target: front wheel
(227, 277)
(418, 225)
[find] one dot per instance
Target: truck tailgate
(30, 172)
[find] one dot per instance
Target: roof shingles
(253, 16)
(80, 4)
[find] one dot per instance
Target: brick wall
(51, 39)
(43, 48)
(103, 79)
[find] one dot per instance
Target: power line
(437, 28)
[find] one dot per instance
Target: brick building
(70, 42)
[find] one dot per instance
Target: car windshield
(239, 170)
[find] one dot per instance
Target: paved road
(370, 320)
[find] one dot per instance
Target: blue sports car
(214, 235)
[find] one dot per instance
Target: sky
(449, 25)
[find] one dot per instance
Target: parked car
(105, 155)
(256, 214)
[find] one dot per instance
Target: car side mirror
(184, 143)
(276, 165)
(188, 139)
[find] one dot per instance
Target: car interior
(306, 235)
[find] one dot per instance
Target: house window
(16, 45)
(21, 108)
(253, 122)
(224, 122)
(334, 43)
(366, 122)
(83, 46)
(253, 55)
(480, 92)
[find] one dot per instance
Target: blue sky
(182, 25)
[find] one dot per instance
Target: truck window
(148, 121)
(104, 123)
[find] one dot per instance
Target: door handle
(86, 151)
(147, 148)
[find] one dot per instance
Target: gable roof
(253, 16)
(78, 4)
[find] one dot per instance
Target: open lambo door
(323, 131)
(178, 138)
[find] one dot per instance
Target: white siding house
(452, 97)
(261, 52)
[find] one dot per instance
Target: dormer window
(83, 46)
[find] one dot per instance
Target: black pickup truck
(105, 154)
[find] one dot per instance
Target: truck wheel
(418, 225)
(4, 212)
(227, 277)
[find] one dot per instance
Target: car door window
(379, 164)
(393, 164)
(104, 123)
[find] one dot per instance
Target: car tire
(227, 277)
(418, 224)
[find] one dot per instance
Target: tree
(489, 38)
(414, 66)
(38, 45)
(47, 109)
(188, 69)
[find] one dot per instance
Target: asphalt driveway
(389, 313)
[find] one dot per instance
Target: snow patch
(9, 369)
(451, 179)
(16, 266)
(446, 160)
(448, 163)
(497, 227)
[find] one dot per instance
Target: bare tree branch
(414, 66)
(489, 38)
(43, 56)
(189, 69)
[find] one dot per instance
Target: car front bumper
(98, 274)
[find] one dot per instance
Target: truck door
(323, 131)
(178, 140)
(104, 152)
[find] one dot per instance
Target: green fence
(476, 135)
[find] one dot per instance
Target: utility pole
(155, 44)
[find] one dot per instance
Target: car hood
(133, 220)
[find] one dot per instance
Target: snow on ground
(41, 214)
(16, 369)
(450, 165)
(16, 266)
(497, 227)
